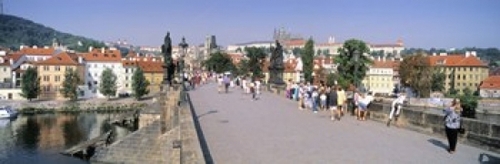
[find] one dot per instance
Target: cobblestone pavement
(273, 130)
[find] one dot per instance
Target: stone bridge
(209, 127)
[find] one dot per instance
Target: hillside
(15, 31)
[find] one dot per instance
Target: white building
(97, 60)
(490, 87)
(240, 48)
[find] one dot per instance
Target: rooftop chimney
(103, 50)
(154, 59)
(21, 47)
(11, 61)
(473, 53)
(442, 54)
(91, 48)
(467, 53)
(434, 54)
(35, 47)
(80, 60)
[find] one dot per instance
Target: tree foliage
(108, 86)
(70, 85)
(331, 78)
(469, 103)
(257, 57)
(139, 84)
(438, 80)
(30, 84)
(16, 31)
(307, 60)
(219, 62)
(243, 67)
(416, 73)
(346, 64)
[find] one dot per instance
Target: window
(471, 69)
(464, 84)
(126, 85)
(58, 78)
(470, 84)
(458, 84)
(126, 70)
(458, 77)
(465, 76)
(68, 68)
(90, 74)
(58, 68)
(45, 68)
(45, 78)
(477, 77)
(95, 65)
(126, 77)
(56, 88)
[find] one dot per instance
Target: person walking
(332, 103)
(315, 100)
(341, 101)
(452, 124)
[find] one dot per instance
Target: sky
(419, 23)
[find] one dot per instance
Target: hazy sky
(419, 23)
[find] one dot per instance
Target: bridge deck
(273, 130)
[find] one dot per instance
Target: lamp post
(183, 45)
(356, 58)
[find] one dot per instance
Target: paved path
(273, 130)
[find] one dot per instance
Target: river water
(40, 138)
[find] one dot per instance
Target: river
(40, 138)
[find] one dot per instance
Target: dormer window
(113, 55)
(105, 55)
(95, 55)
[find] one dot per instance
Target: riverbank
(90, 105)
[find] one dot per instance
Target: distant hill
(15, 31)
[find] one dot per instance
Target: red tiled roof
(456, 60)
(295, 42)
(383, 64)
(37, 51)
(59, 59)
(96, 55)
(492, 82)
(150, 66)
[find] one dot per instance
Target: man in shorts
(332, 103)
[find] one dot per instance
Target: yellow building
(153, 71)
(52, 71)
(462, 71)
(379, 78)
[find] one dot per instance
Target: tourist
(363, 101)
(452, 124)
(332, 103)
(252, 90)
(314, 100)
(341, 101)
(301, 93)
(322, 99)
(219, 83)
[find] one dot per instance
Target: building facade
(379, 78)
(52, 75)
(462, 71)
(97, 60)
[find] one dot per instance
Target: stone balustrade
(431, 121)
(167, 134)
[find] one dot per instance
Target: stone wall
(431, 121)
(167, 134)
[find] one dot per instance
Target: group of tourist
(332, 98)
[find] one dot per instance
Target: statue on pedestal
(276, 65)
(168, 65)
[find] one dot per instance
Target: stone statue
(276, 65)
(168, 65)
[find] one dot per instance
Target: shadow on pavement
(438, 143)
(485, 158)
(201, 136)
(209, 112)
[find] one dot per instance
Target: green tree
(469, 103)
(318, 52)
(30, 84)
(139, 84)
(346, 64)
(107, 86)
(331, 78)
(416, 73)
(307, 60)
(219, 62)
(257, 57)
(243, 67)
(297, 51)
(70, 85)
(438, 80)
